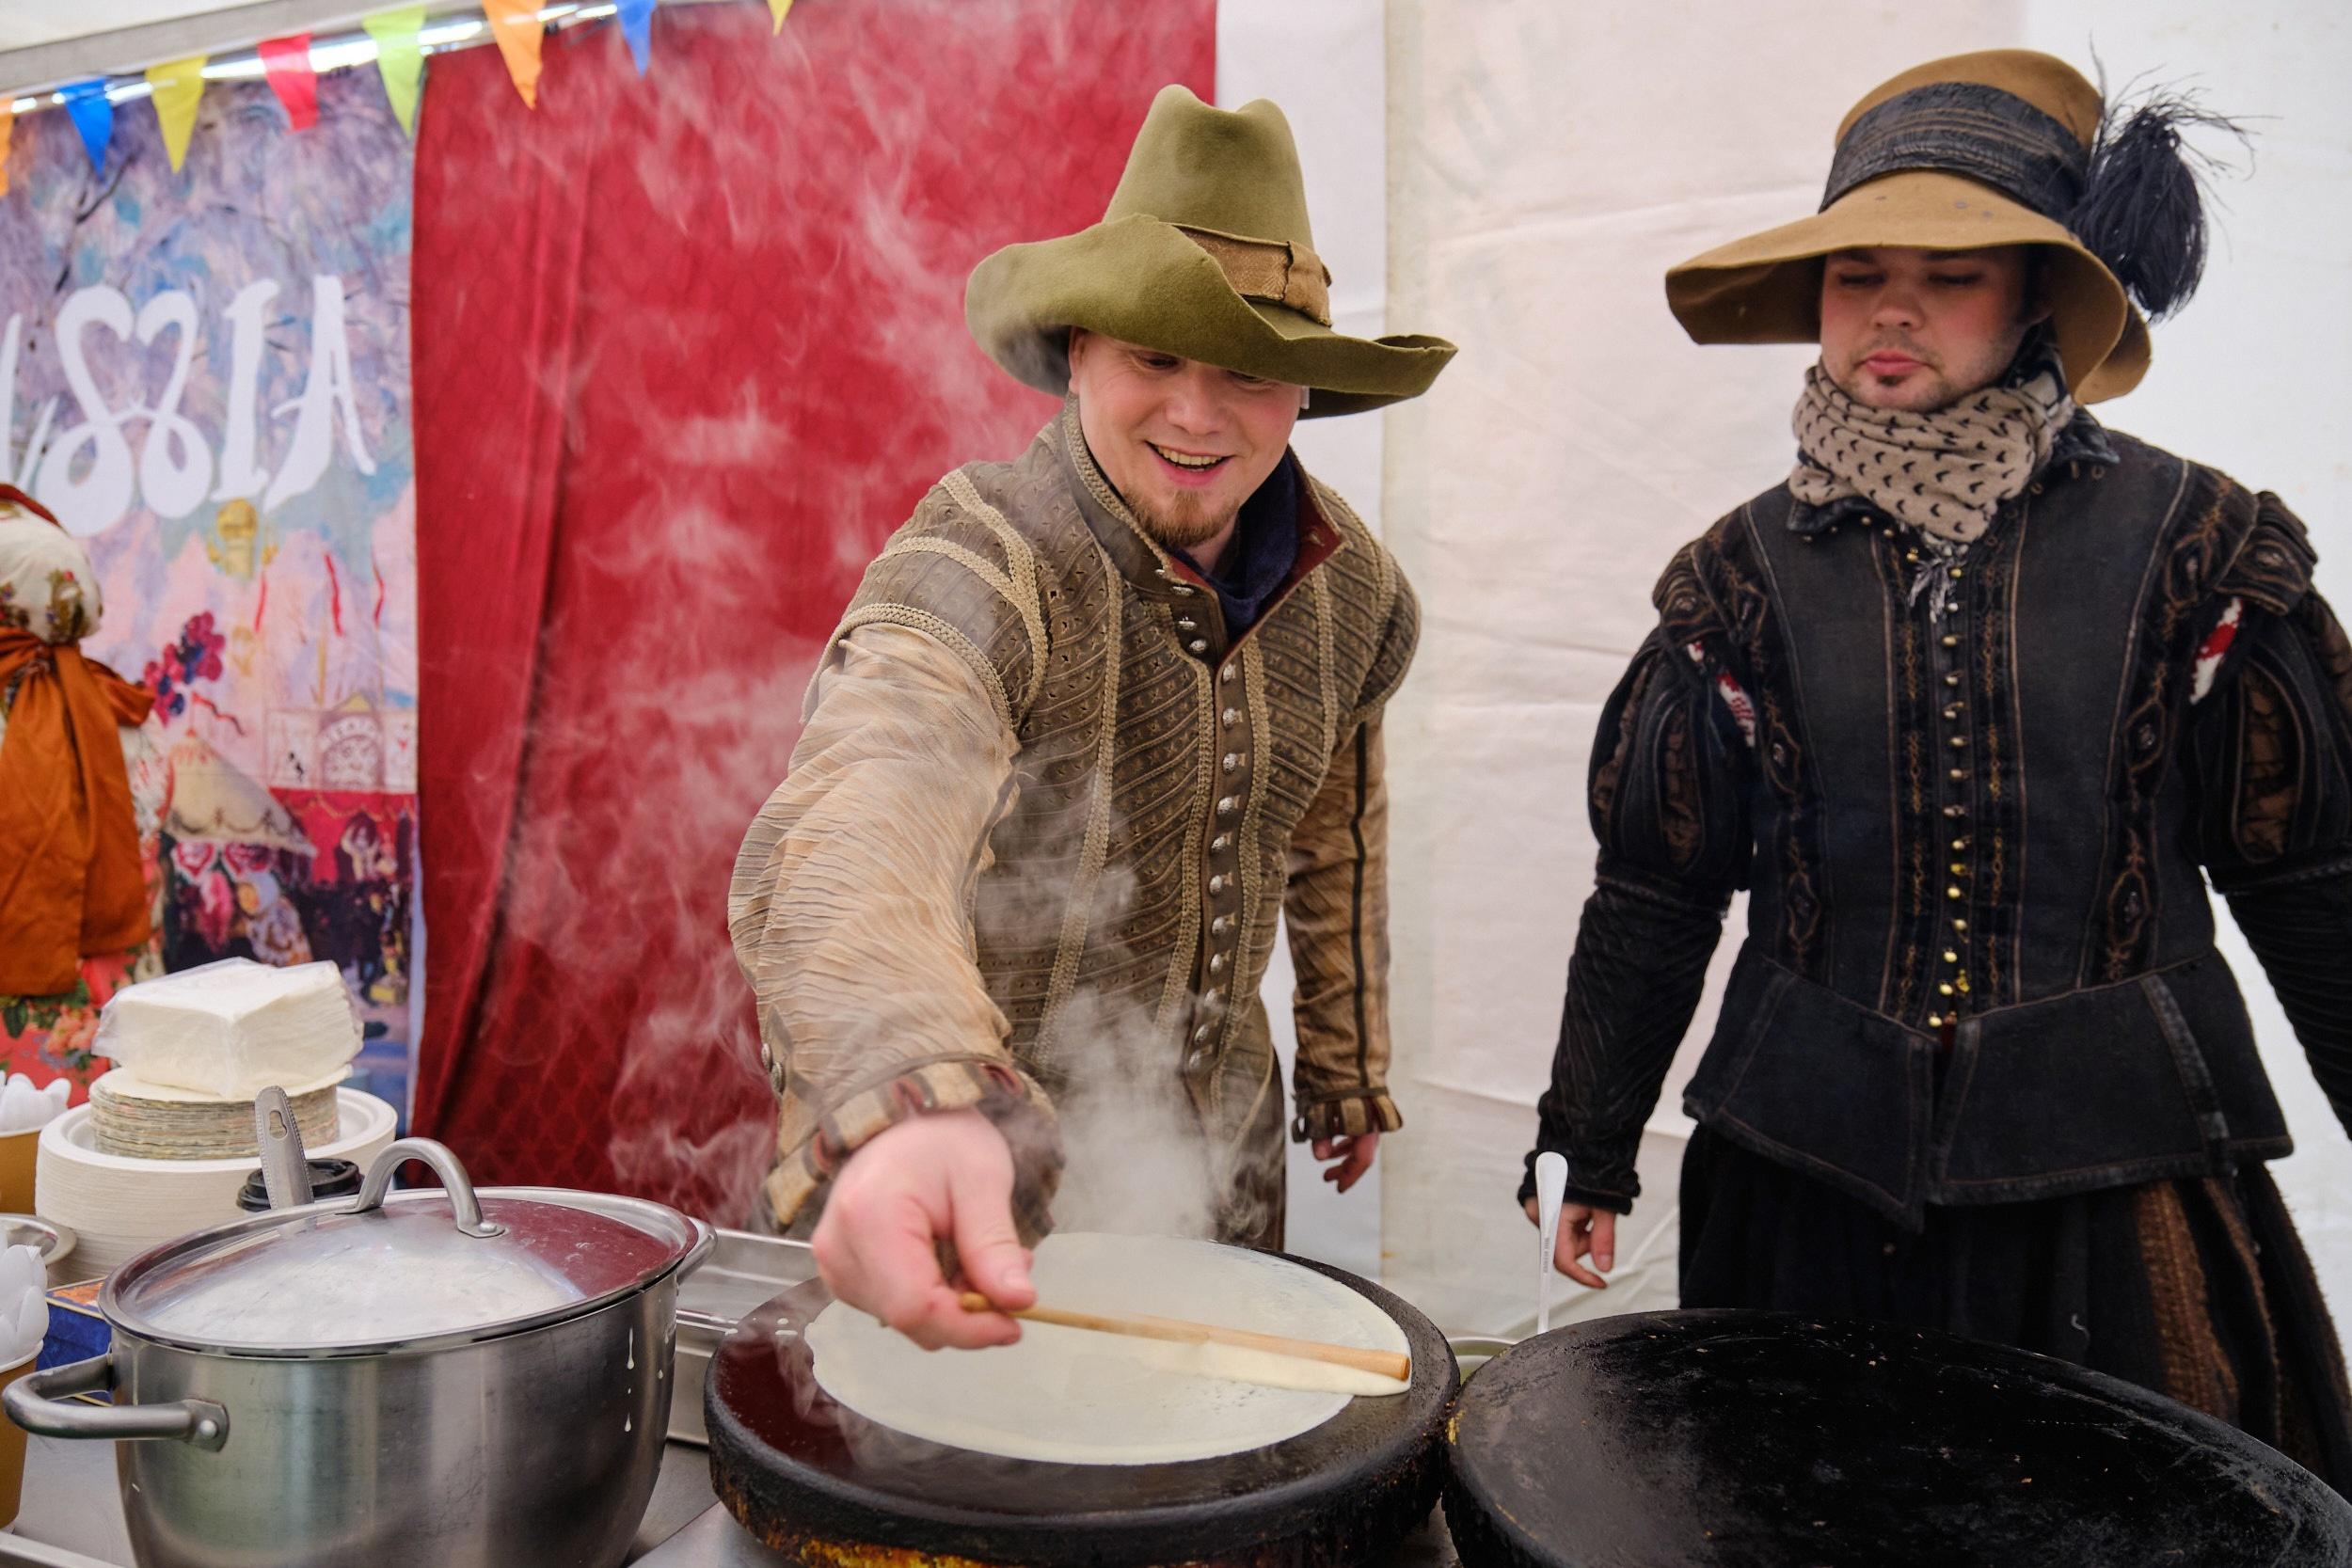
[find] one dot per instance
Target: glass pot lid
(398, 1271)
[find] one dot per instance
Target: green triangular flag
(400, 58)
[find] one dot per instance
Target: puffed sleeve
(1667, 800)
(2273, 758)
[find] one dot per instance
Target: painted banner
(204, 374)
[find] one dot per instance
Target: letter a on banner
(400, 59)
(779, 9)
(292, 78)
(517, 26)
(175, 88)
(93, 117)
(637, 26)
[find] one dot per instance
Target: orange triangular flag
(175, 89)
(779, 9)
(517, 26)
(7, 134)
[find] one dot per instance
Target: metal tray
(743, 1272)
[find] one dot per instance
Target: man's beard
(1188, 523)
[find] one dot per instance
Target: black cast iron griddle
(816, 1481)
(1721, 1437)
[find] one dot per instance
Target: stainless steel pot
(424, 1378)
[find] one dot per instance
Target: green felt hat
(1205, 252)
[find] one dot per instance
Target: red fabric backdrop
(687, 348)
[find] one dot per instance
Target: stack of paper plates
(121, 1205)
(154, 1121)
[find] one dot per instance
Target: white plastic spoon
(1551, 1181)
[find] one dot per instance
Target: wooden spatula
(1381, 1363)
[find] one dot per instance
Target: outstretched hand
(946, 1176)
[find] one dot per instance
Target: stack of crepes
(193, 1049)
(168, 1138)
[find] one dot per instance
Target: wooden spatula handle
(1144, 1326)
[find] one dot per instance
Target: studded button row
(1224, 929)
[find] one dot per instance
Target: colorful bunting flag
(7, 134)
(292, 78)
(637, 26)
(779, 9)
(400, 58)
(517, 26)
(175, 87)
(93, 115)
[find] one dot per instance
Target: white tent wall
(1546, 162)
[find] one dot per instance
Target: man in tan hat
(1971, 702)
(1093, 721)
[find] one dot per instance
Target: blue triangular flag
(637, 26)
(93, 115)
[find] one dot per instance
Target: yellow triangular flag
(175, 88)
(780, 9)
(517, 26)
(8, 132)
(400, 59)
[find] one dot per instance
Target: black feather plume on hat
(2143, 206)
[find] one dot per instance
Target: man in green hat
(1094, 719)
(1972, 702)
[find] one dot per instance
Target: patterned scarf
(1945, 472)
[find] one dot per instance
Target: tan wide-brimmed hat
(1205, 252)
(1962, 154)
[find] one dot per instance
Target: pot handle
(462, 1202)
(706, 1238)
(36, 1403)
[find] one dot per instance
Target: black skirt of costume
(2197, 1287)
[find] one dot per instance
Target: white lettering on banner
(89, 476)
(99, 499)
(328, 389)
(240, 471)
(174, 488)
